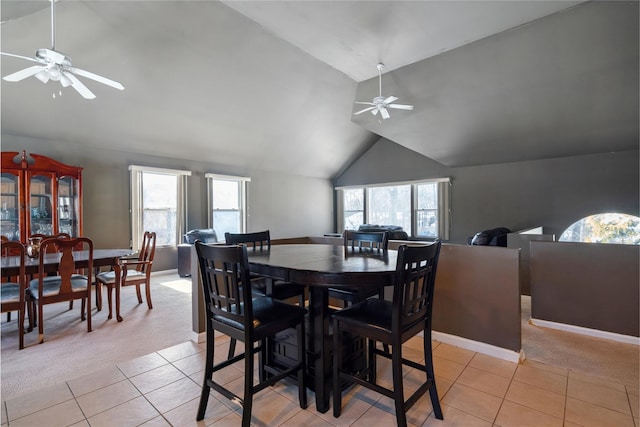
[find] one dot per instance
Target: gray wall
(288, 205)
(553, 193)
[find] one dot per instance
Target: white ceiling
(240, 84)
(354, 36)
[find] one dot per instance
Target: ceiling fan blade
(43, 75)
(390, 99)
(65, 81)
(80, 87)
(375, 111)
(96, 77)
(39, 61)
(363, 111)
(400, 106)
(384, 113)
(23, 74)
(364, 103)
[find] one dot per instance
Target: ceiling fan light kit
(57, 66)
(380, 103)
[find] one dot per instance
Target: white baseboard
(627, 339)
(198, 337)
(479, 347)
(163, 272)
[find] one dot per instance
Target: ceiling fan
(56, 66)
(380, 103)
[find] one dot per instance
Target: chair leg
(109, 300)
(8, 316)
(208, 372)
(31, 312)
(302, 387)
(428, 361)
(21, 328)
(232, 348)
(40, 324)
(82, 309)
(337, 358)
(147, 289)
(372, 362)
(98, 286)
(248, 386)
(88, 305)
(139, 294)
(398, 392)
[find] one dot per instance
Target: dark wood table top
(324, 265)
(101, 257)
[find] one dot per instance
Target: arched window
(604, 228)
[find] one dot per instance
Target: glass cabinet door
(10, 205)
(68, 212)
(40, 211)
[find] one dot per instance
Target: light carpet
(70, 351)
(596, 356)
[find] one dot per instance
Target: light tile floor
(163, 388)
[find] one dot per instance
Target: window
(158, 203)
(421, 208)
(390, 206)
(604, 228)
(353, 208)
(227, 203)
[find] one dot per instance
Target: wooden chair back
(147, 252)
(67, 250)
(258, 240)
(224, 269)
(415, 281)
(378, 240)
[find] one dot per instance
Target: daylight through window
(420, 208)
(227, 203)
(158, 200)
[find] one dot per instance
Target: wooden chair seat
(10, 292)
(109, 277)
(52, 284)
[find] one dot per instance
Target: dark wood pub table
(101, 258)
(321, 267)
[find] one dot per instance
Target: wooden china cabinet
(39, 195)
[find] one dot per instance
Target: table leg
(319, 346)
(118, 272)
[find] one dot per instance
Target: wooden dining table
(322, 267)
(10, 265)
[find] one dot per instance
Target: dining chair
(67, 285)
(393, 323)
(58, 236)
(136, 271)
(233, 309)
(361, 243)
(13, 292)
(280, 290)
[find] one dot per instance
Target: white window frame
(444, 204)
(137, 227)
(242, 196)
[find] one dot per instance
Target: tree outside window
(604, 228)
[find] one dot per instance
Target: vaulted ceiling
(272, 84)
